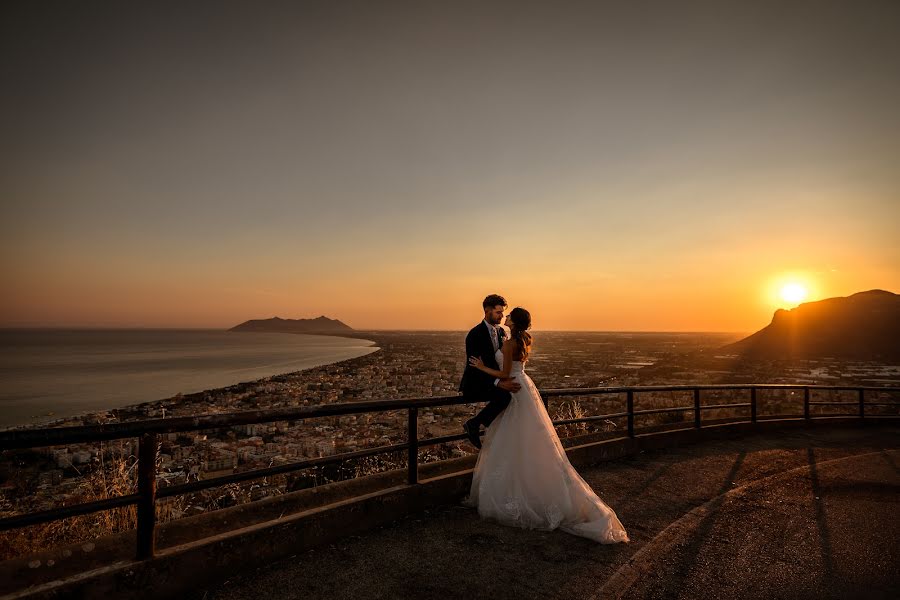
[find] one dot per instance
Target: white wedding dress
(523, 477)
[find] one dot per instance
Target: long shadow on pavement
(821, 520)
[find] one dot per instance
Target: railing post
(806, 403)
(146, 505)
(753, 405)
(862, 403)
(413, 438)
(697, 408)
(630, 409)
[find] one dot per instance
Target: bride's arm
(508, 349)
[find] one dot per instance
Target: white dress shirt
(495, 340)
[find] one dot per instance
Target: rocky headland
(864, 326)
(318, 326)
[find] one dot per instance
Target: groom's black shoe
(471, 429)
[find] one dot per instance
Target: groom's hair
(493, 300)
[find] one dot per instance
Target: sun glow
(794, 293)
(789, 288)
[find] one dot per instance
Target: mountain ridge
(864, 325)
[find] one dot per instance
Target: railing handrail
(148, 430)
(59, 436)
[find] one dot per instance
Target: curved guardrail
(148, 431)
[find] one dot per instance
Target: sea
(47, 374)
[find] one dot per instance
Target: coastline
(165, 405)
(211, 394)
(421, 364)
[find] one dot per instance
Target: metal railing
(148, 432)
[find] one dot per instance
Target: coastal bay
(51, 374)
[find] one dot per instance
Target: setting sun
(793, 292)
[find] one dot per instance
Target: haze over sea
(69, 372)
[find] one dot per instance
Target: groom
(477, 386)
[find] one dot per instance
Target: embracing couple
(523, 476)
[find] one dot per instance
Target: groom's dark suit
(478, 386)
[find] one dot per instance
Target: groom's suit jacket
(475, 383)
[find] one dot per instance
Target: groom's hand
(509, 385)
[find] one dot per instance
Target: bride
(523, 476)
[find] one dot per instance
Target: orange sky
(621, 170)
(733, 288)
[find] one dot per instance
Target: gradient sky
(610, 166)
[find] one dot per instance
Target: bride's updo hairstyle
(521, 323)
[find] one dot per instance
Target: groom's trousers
(498, 400)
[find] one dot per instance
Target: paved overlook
(802, 514)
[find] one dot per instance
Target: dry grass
(570, 409)
(115, 474)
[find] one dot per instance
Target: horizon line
(335, 334)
